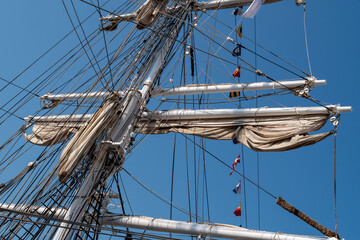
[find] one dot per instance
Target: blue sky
(304, 177)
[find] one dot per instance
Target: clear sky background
(304, 177)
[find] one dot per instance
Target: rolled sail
(84, 139)
(260, 133)
(275, 133)
(51, 133)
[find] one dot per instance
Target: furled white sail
(275, 133)
(51, 133)
(263, 133)
(83, 140)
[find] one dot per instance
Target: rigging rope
(257, 105)
(230, 167)
(172, 177)
(241, 145)
(335, 208)
(306, 40)
(78, 36)
(162, 198)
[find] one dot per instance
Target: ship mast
(108, 153)
(121, 133)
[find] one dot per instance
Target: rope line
(306, 40)
(230, 167)
(335, 207)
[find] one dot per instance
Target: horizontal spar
(161, 225)
(222, 4)
(199, 229)
(221, 88)
(246, 112)
(208, 114)
(36, 210)
(203, 5)
(193, 89)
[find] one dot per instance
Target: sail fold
(266, 133)
(276, 133)
(51, 133)
(84, 139)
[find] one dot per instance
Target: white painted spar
(204, 230)
(208, 113)
(66, 96)
(247, 112)
(203, 5)
(221, 4)
(194, 89)
(41, 211)
(227, 87)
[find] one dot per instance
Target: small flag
(239, 31)
(237, 72)
(237, 211)
(234, 95)
(237, 189)
(253, 9)
(237, 51)
(237, 160)
(238, 11)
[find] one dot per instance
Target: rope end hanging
(291, 209)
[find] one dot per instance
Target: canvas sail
(270, 133)
(275, 133)
(51, 133)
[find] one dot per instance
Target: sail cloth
(253, 9)
(149, 13)
(51, 133)
(84, 139)
(276, 133)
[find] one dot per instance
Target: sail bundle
(50, 133)
(260, 133)
(270, 133)
(46, 133)
(84, 139)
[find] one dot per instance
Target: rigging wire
(47, 51)
(126, 196)
(250, 65)
(257, 105)
(306, 40)
(172, 177)
(13, 84)
(106, 48)
(257, 44)
(315, 101)
(239, 106)
(270, 78)
(162, 198)
(198, 28)
(221, 161)
(77, 34)
(10, 114)
(183, 82)
(89, 226)
(202, 146)
(335, 206)
(25, 100)
(221, 45)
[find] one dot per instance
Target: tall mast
(120, 133)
